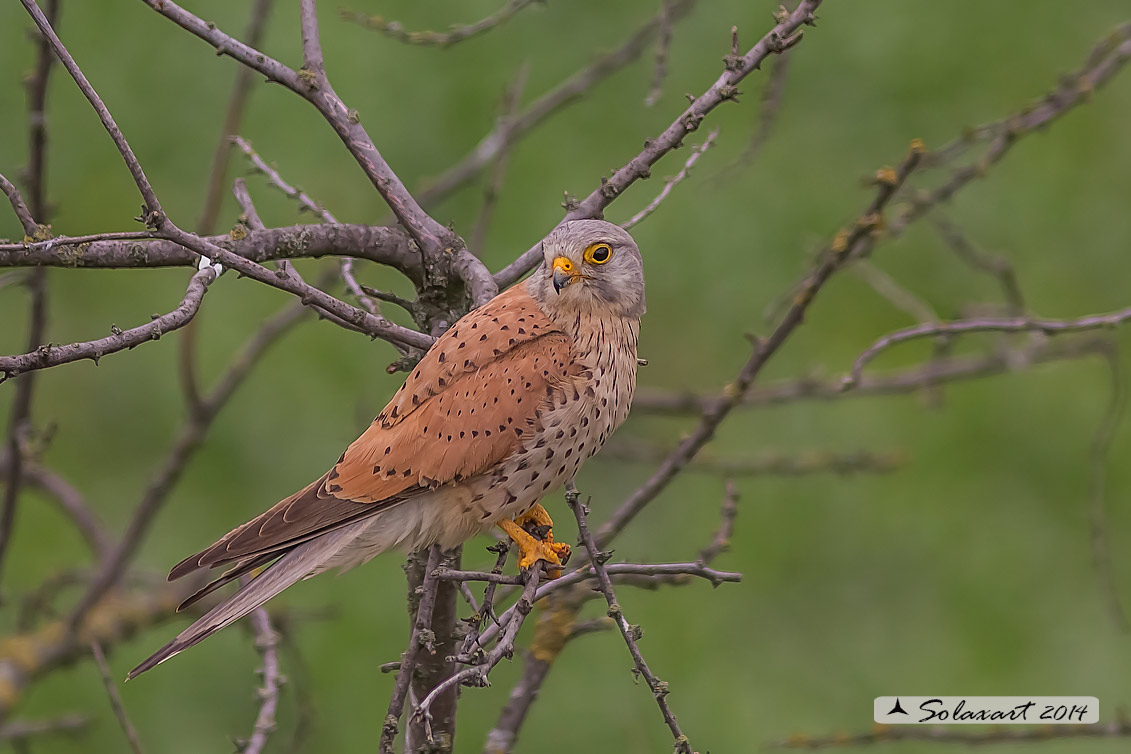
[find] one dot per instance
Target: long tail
(296, 564)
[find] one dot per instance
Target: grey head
(590, 264)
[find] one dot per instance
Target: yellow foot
(539, 544)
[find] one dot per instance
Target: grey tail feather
(292, 567)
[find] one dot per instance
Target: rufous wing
(466, 406)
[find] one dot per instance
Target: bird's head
(591, 263)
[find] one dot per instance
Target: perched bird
(502, 409)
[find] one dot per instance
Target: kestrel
(502, 410)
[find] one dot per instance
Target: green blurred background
(967, 571)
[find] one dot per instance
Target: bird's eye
(598, 253)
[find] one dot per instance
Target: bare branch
(772, 96)
(670, 183)
(115, 698)
(511, 97)
(274, 179)
(1105, 60)
(154, 215)
(567, 92)
(188, 441)
(453, 36)
(663, 49)
(846, 243)
(472, 641)
(434, 239)
(721, 541)
(770, 464)
(19, 732)
(779, 39)
(997, 266)
(476, 675)
(629, 632)
(417, 639)
(233, 117)
(1100, 457)
(896, 294)
(51, 355)
(909, 380)
(23, 214)
(28, 656)
(266, 643)
(379, 244)
(70, 501)
(964, 326)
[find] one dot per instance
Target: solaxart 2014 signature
(1001, 710)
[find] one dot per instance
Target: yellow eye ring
(598, 253)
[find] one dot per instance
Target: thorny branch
(418, 639)
(853, 240)
(266, 643)
(782, 37)
(630, 633)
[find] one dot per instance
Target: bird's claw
(533, 532)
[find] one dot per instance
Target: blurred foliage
(968, 571)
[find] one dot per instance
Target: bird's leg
(534, 534)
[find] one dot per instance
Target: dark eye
(598, 253)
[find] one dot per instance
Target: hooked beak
(565, 273)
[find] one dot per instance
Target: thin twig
(187, 442)
(454, 35)
(115, 698)
(721, 541)
(471, 641)
(417, 638)
(663, 49)
(965, 326)
(1106, 59)
(859, 236)
(570, 90)
(670, 183)
(52, 355)
(771, 464)
(19, 206)
(773, 93)
(70, 501)
(494, 185)
(28, 656)
(214, 194)
(305, 203)
(997, 266)
(266, 643)
(629, 632)
(477, 675)
(22, 730)
(911, 379)
(782, 37)
(233, 117)
(154, 215)
(1100, 457)
(895, 293)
